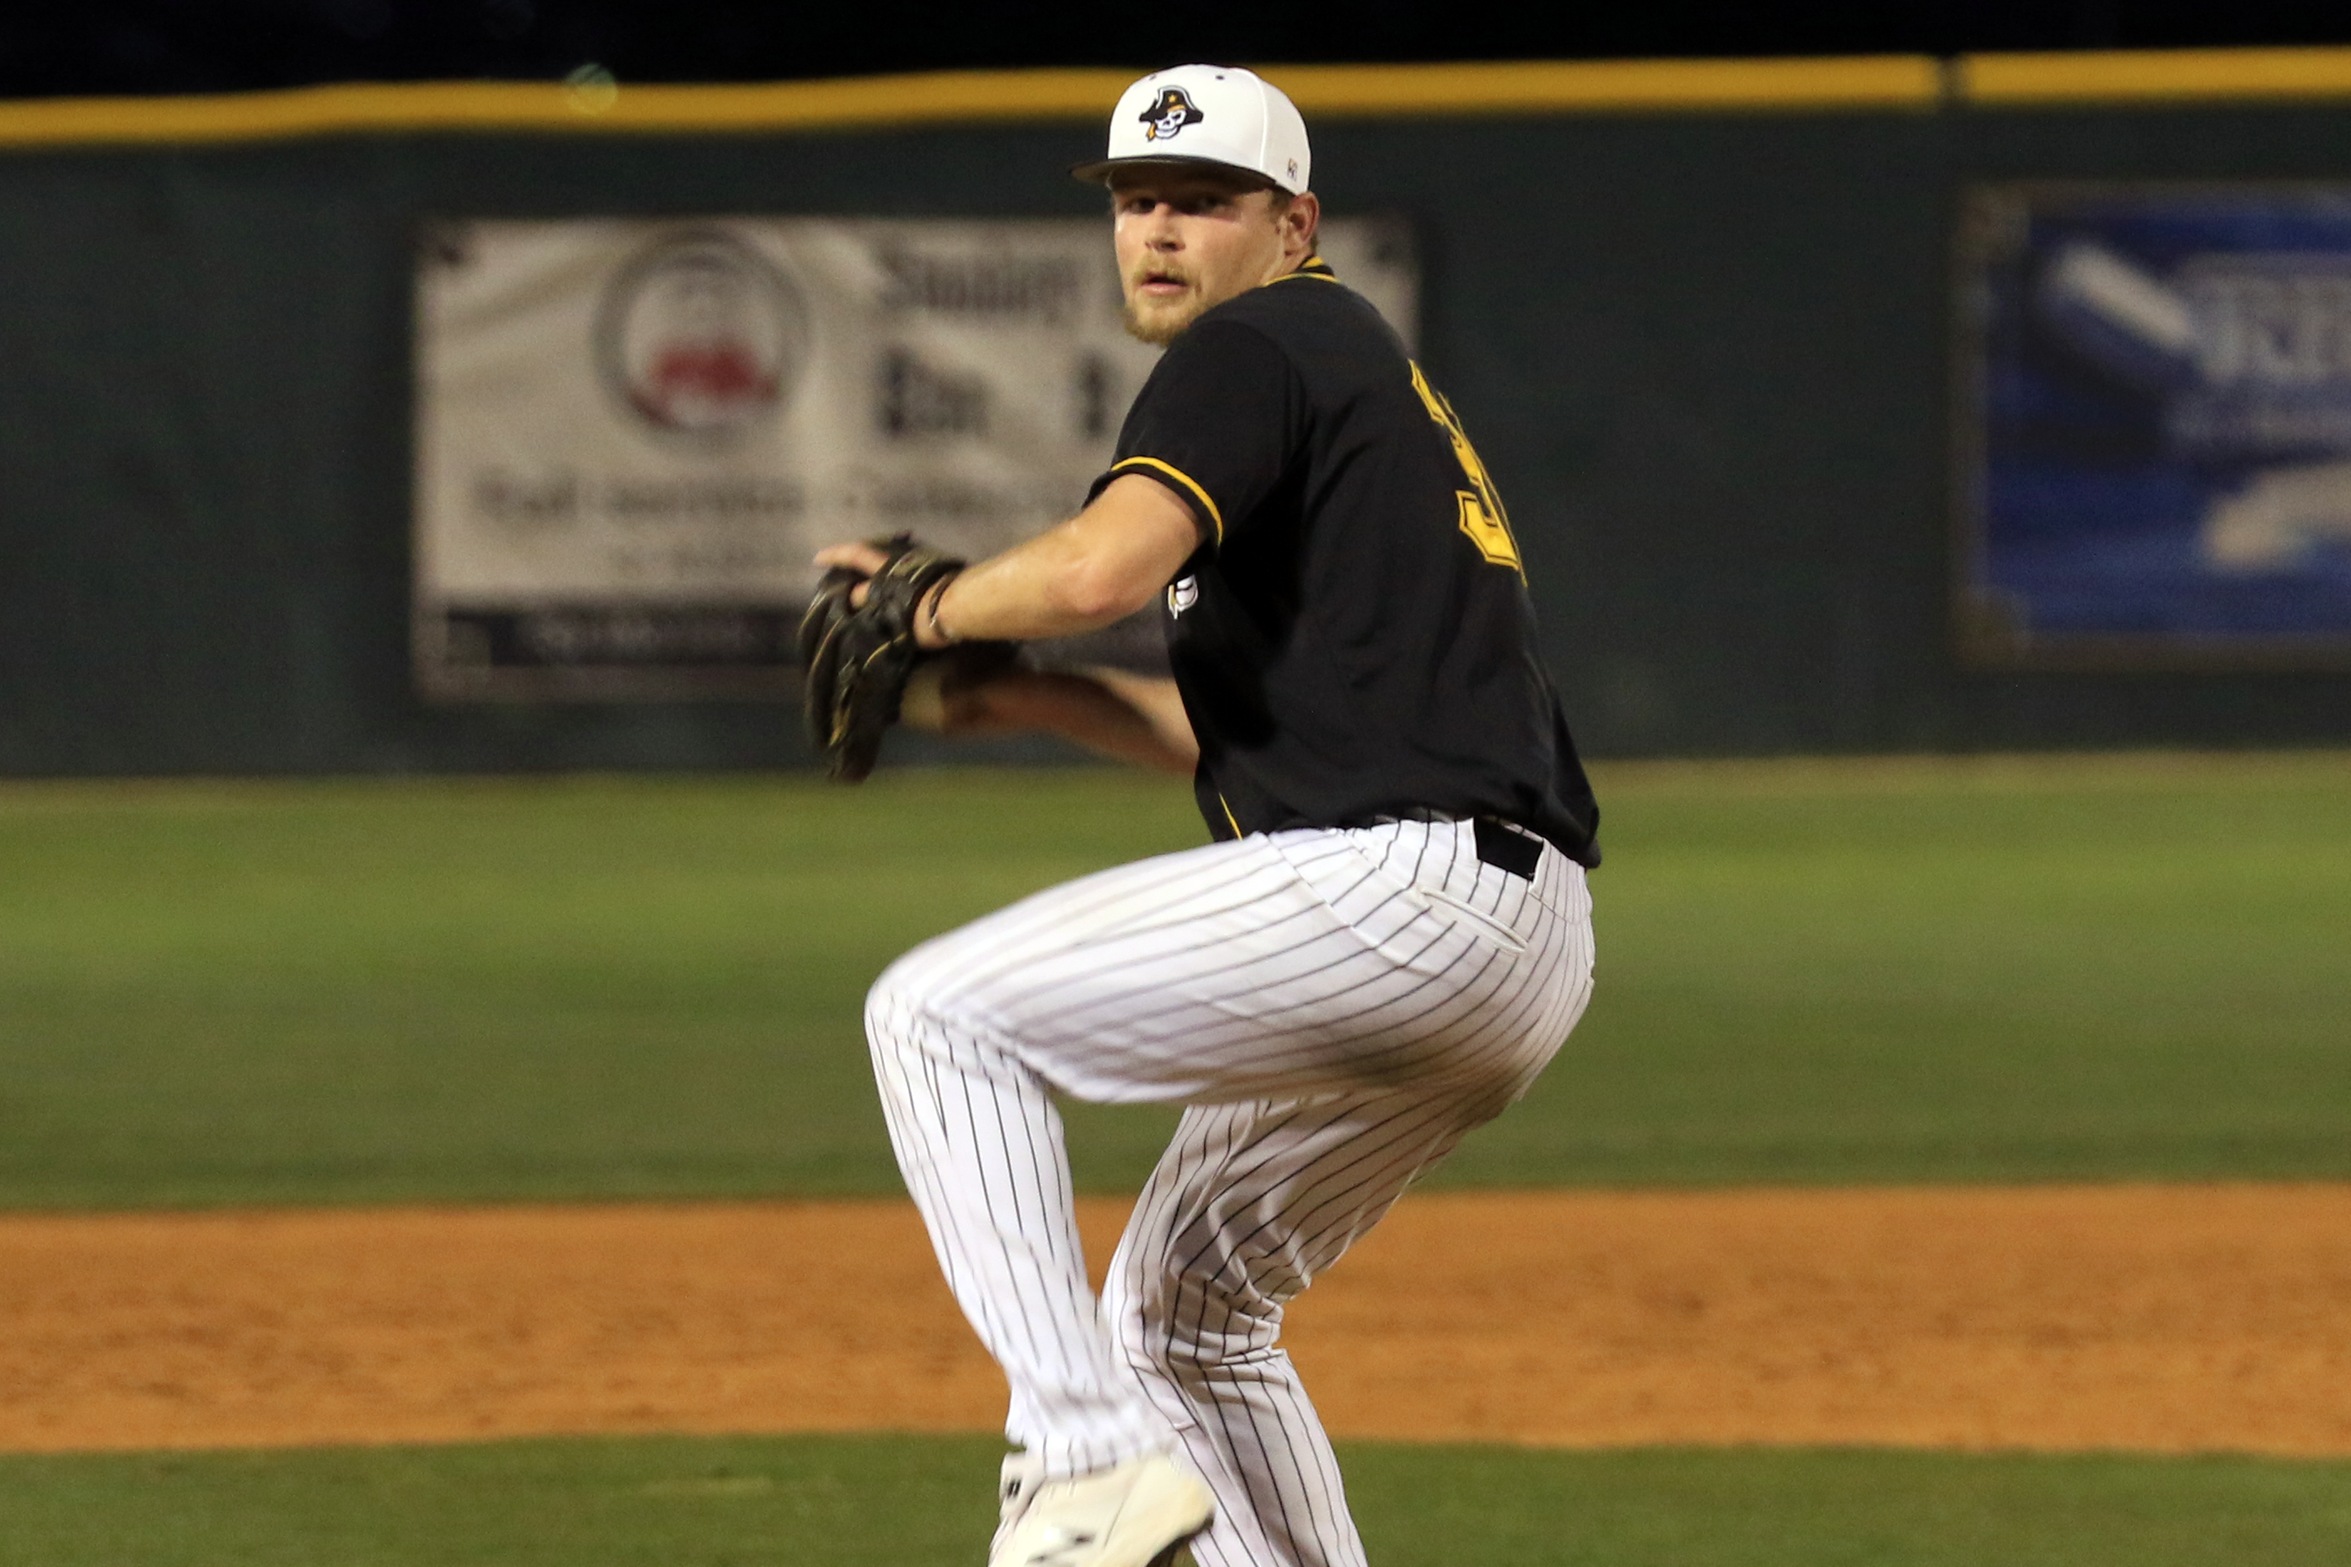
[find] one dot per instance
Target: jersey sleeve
(1218, 423)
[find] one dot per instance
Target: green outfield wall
(1706, 347)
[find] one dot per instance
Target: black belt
(1503, 845)
(1506, 848)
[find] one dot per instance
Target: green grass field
(343, 992)
(905, 1502)
(1837, 973)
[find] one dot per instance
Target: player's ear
(1303, 218)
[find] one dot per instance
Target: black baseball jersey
(1353, 638)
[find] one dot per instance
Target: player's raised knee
(894, 1004)
(914, 996)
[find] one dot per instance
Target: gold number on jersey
(1482, 516)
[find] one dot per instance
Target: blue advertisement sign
(2160, 424)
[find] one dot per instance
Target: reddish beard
(1158, 321)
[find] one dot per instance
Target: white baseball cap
(1208, 114)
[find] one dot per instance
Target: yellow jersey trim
(1191, 486)
(1230, 818)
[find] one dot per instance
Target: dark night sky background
(50, 47)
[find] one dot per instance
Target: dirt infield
(2150, 1318)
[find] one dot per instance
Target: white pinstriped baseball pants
(1337, 1008)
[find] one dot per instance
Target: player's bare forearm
(1101, 565)
(1127, 718)
(1158, 702)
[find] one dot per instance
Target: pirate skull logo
(1173, 110)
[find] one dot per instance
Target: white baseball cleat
(1137, 1514)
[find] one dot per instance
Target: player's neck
(1289, 265)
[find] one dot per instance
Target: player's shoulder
(1311, 315)
(1313, 293)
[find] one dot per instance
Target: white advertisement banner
(631, 434)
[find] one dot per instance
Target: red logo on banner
(701, 336)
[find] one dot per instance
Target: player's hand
(865, 559)
(855, 555)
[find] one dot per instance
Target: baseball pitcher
(1387, 939)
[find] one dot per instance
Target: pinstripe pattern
(1336, 1008)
